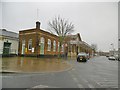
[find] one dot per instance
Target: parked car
(82, 57)
(111, 58)
(107, 55)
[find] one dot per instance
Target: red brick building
(37, 42)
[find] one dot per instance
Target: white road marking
(80, 86)
(75, 79)
(105, 84)
(40, 86)
(109, 86)
(90, 86)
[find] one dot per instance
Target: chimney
(37, 25)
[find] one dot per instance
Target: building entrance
(6, 48)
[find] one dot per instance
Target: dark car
(111, 58)
(82, 57)
(107, 55)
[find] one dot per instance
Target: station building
(8, 43)
(75, 45)
(37, 42)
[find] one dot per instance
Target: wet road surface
(33, 64)
(98, 72)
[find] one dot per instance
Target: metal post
(112, 48)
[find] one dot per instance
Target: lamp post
(66, 50)
(77, 48)
(112, 47)
(119, 49)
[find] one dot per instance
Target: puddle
(33, 64)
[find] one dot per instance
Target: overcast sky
(97, 22)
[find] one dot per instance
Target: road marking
(107, 86)
(98, 83)
(90, 86)
(111, 81)
(103, 84)
(40, 86)
(107, 74)
(80, 86)
(75, 79)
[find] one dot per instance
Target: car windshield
(82, 54)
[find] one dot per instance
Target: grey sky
(97, 22)
(0, 15)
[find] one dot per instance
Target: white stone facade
(10, 37)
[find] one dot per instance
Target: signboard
(25, 49)
(32, 49)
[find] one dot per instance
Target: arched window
(30, 44)
(42, 40)
(54, 45)
(49, 45)
(41, 43)
(23, 47)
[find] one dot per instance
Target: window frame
(29, 43)
(49, 45)
(54, 45)
(42, 40)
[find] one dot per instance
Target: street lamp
(119, 49)
(112, 48)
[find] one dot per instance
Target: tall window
(30, 44)
(42, 40)
(54, 45)
(23, 47)
(49, 45)
(58, 46)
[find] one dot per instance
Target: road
(98, 72)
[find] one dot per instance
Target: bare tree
(61, 27)
(94, 47)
